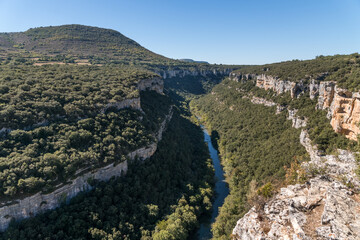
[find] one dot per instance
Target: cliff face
(325, 207)
(343, 106)
(322, 208)
(182, 73)
(32, 205)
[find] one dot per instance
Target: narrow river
(221, 191)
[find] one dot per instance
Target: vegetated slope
(343, 69)
(160, 198)
(34, 94)
(82, 45)
(56, 120)
(255, 146)
(78, 40)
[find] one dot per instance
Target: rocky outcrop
(196, 72)
(344, 113)
(342, 105)
(32, 205)
(297, 121)
(325, 207)
(155, 84)
(242, 77)
(133, 103)
(320, 209)
(280, 86)
(262, 101)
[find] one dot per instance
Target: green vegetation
(160, 198)
(78, 44)
(31, 95)
(318, 125)
(255, 146)
(344, 69)
(40, 158)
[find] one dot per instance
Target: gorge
(99, 140)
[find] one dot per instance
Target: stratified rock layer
(342, 105)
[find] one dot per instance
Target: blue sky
(221, 31)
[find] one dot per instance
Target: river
(221, 191)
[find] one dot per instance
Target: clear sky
(217, 31)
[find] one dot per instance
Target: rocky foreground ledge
(325, 207)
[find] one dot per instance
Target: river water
(221, 191)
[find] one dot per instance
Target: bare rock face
(262, 101)
(279, 86)
(32, 205)
(239, 77)
(319, 209)
(197, 72)
(323, 208)
(325, 93)
(344, 113)
(133, 103)
(297, 122)
(155, 84)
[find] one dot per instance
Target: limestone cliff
(196, 72)
(325, 207)
(342, 105)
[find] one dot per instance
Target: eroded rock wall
(327, 206)
(342, 105)
(182, 73)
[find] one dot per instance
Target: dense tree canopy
(160, 198)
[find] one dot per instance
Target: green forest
(255, 145)
(39, 159)
(34, 94)
(161, 198)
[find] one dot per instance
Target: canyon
(327, 205)
(343, 106)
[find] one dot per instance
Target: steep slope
(320, 97)
(78, 40)
(79, 105)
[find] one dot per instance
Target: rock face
(197, 72)
(263, 101)
(297, 122)
(279, 86)
(133, 103)
(30, 206)
(320, 209)
(155, 84)
(345, 113)
(342, 105)
(242, 77)
(325, 207)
